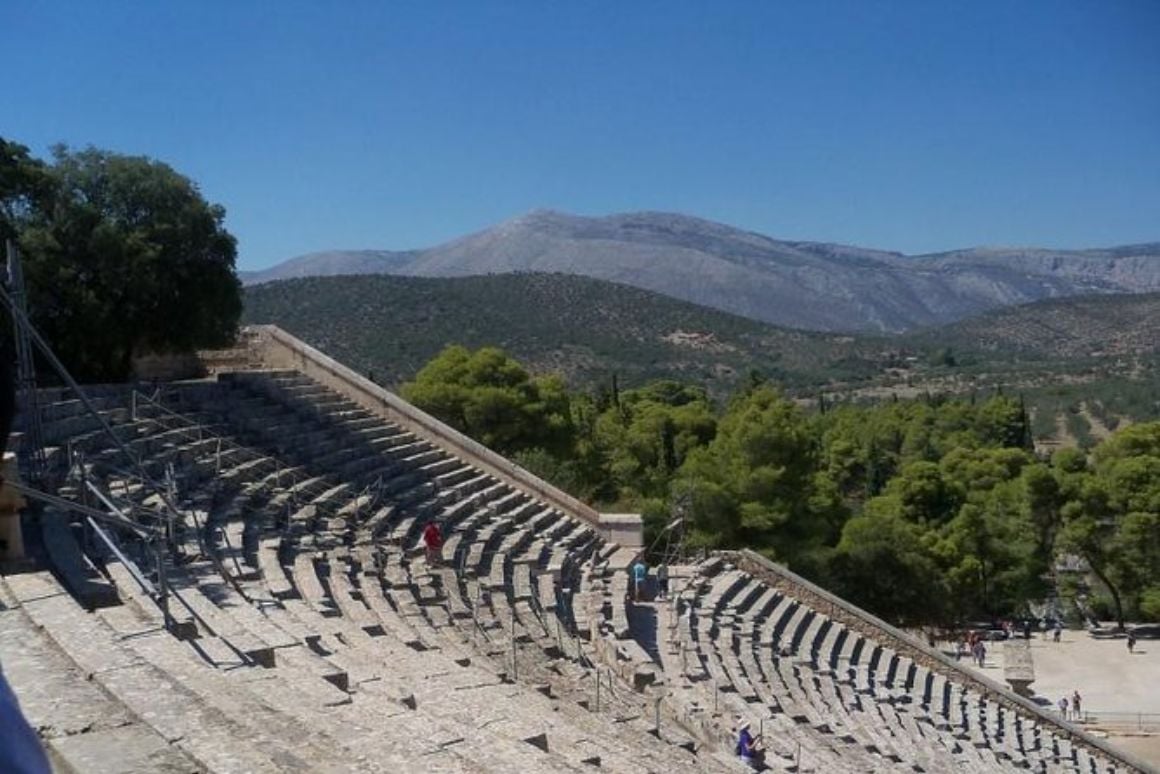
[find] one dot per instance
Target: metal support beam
(26, 369)
(60, 502)
(22, 323)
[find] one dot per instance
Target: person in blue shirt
(20, 750)
(747, 745)
(639, 578)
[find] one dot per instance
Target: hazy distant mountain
(801, 284)
(331, 262)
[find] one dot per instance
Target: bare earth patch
(703, 341)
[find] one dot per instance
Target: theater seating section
(307, 630)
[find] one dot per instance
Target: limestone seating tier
(745, 649)
(292, 607)
(308, 631)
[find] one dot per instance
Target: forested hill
(1087, 326)
(584, 328)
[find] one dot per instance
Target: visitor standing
(1063, 707)
(663, 581)
(1075, 705)
(433, 542)
(1131, 642)
(639, 578)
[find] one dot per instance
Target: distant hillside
(581, 327)
(331, 263)
(804, 285)
(1082, 327)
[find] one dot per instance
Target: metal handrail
(20, 318)
(247, 454)
(62, 502)
(131, 566)
(1116, 718)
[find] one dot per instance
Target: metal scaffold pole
(25, 370)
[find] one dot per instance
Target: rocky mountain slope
(805, 285)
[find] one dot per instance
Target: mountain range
(805, 285)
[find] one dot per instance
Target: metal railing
(1138, 721)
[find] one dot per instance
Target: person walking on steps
(433, 542)
(663, 581)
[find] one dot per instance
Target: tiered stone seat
(305, 592)
(307, 629)
(82, 726)
(744, 649)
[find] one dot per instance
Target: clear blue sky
(916, 126)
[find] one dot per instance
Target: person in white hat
(747, 744)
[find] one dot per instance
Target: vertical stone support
(11, 503)
(627, 529)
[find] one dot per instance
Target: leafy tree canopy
(489, 396)
(122, 256)
(924, 511)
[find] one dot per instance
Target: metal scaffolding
(35, 459)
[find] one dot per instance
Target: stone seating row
(205, 591)
(82, 727)
(496, 539)
(235, 634)
(317, 574)
(760, 649)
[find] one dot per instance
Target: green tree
(490, 397)
(1110, 514)
(885, 564)
(649, 434)
(1044, 500)
(754, 484)
(26, 187)
(989, 552)
(923, 494)
(122, 256)
(1088, 532)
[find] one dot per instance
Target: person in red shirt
(433, 541)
